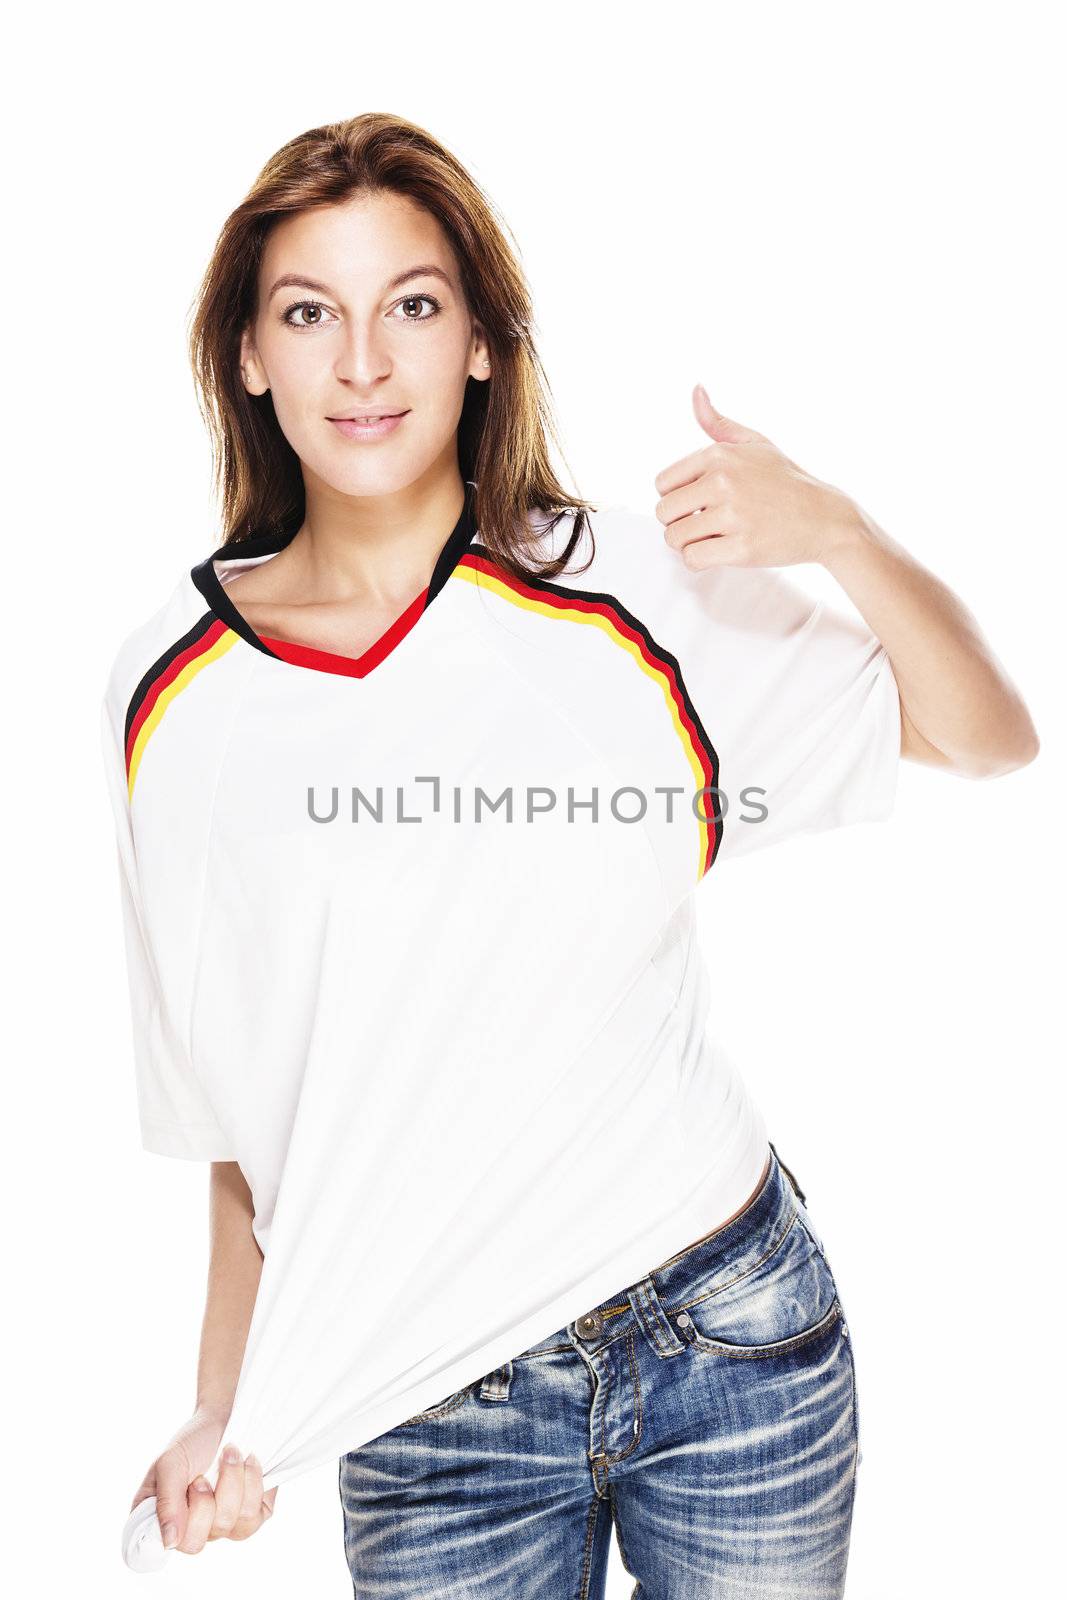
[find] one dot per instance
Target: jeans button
(589, 1325)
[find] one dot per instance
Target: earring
(485, 363)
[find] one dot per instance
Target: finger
(711, 524)
(252, 1511)
(201, 1516)
(229, 1491)
(146, 1487)
(717, 550)
(720, 427)
(706, 459)
(705, 493)
(172, 1480)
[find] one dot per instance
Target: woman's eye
(304, 305)
(318, 312)
(419, 299)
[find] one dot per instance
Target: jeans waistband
(739, 1244)
(648, 1306)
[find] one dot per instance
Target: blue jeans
(707, 1411)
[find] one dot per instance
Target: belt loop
(652, 1319)
(496, 1385)
(801, 1196)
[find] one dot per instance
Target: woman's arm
(188, 1510)
(740, 501)
(958, 707)
(233, 1280)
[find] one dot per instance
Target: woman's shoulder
(613, 539)
(156, 639)
(624, 553)
(634, 566)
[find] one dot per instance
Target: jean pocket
(786, 1299)
(443, 1408)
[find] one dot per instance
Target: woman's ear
(481, 362)
(253, 378)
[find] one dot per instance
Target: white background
(845, 221)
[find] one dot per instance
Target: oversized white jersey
(411, 937)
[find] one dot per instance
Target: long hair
(503, 424)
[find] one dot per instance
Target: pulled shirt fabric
(411, 936)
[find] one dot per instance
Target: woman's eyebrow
(293, 280)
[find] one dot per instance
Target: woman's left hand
(740, 502)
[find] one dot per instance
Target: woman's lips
(353, 429)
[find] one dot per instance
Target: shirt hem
(193, 1142)
(685, 1224)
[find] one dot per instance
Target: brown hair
(502, 428)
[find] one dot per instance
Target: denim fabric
(707, 1411)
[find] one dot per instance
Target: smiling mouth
(371, 416)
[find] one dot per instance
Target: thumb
(723, 429)
(172, 1505)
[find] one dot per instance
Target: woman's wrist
(212, 1409)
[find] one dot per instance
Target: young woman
(414, 778)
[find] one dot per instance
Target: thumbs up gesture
(740, 502)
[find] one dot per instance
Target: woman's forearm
(955, 694)
(233, 1281)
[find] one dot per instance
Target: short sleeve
(176, 1117)
(795, 701)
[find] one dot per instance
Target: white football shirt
(411, 937)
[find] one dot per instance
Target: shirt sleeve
(796, 699)
(176, 1117)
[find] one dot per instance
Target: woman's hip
(721, 1384)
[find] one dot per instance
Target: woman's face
(354, 329)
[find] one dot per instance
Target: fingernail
(231, 1453)
(252, 1461)
(170, 1535)
(202, 1484)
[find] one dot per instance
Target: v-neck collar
(207, 581)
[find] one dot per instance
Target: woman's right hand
(186, 1502)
